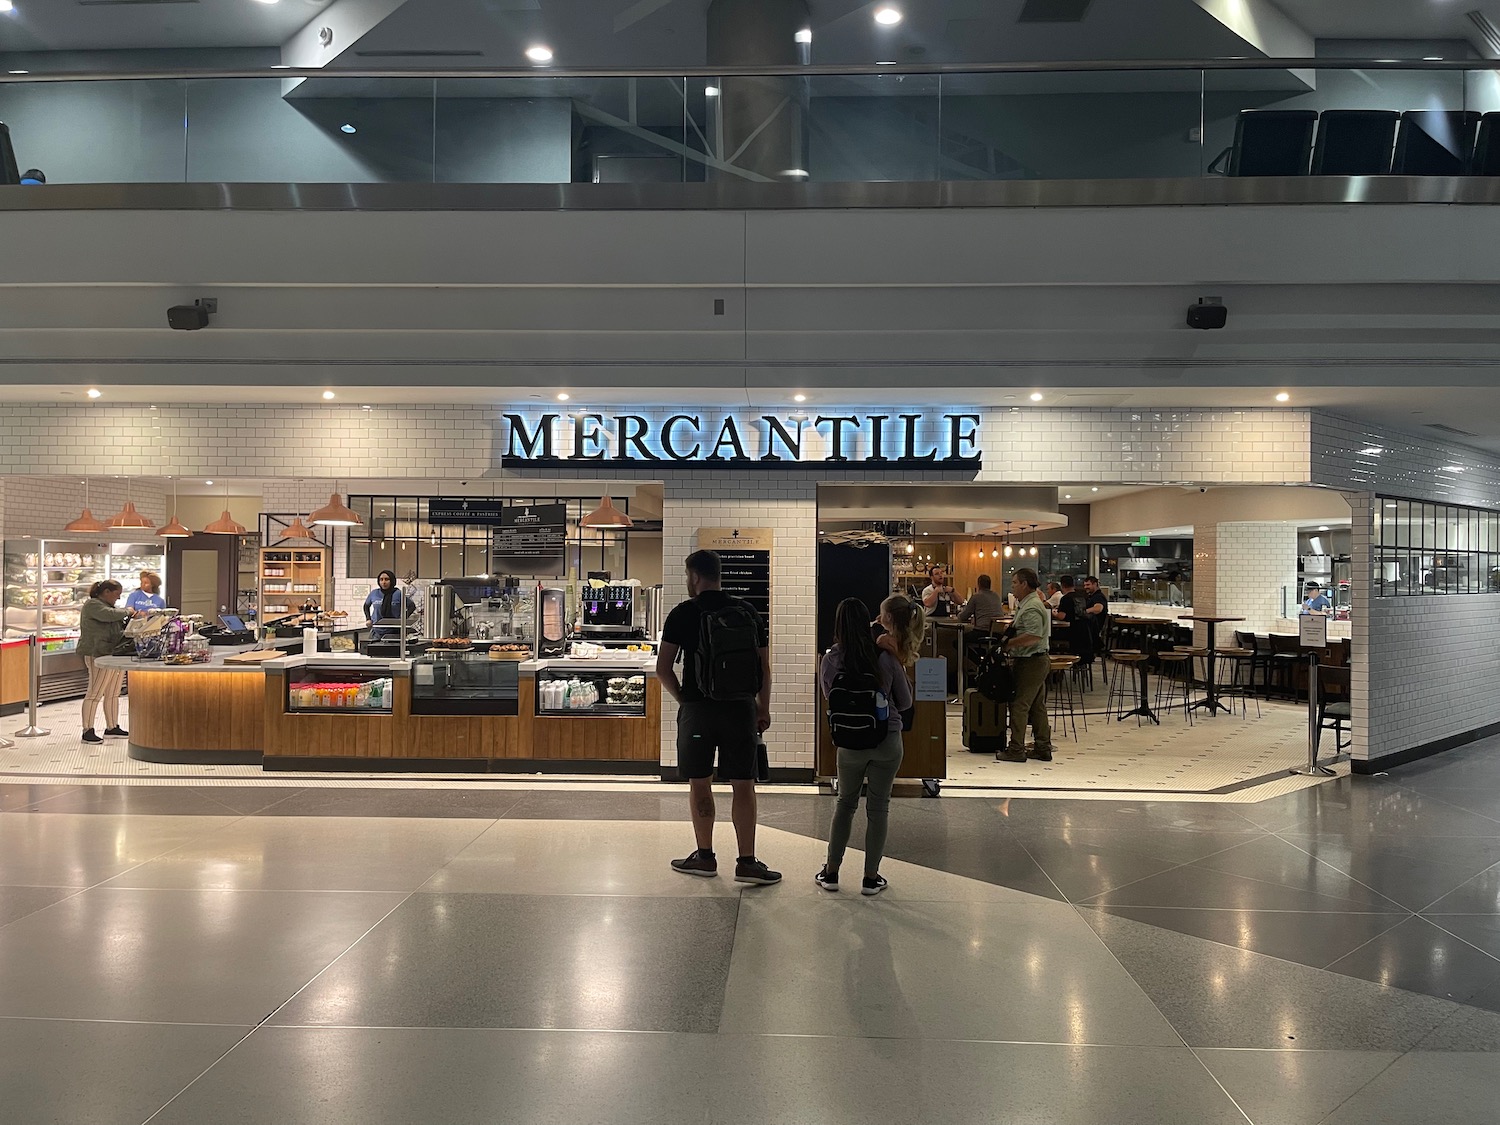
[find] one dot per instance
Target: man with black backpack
(723, 706)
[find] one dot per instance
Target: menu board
(466, 510)
(745, 561)
(531, 539)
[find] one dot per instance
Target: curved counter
(210, 714)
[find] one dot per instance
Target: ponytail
(910, 623)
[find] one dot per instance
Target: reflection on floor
(469, 955)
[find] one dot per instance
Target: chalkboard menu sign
(745, 559)
(466, 510)
(531, 539)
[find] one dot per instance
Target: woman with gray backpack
(866, 690)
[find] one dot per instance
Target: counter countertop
(633, 663)
(215, 662)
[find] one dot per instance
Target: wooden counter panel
(610, 739)
(183, 710)
(15, 674)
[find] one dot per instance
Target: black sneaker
(701, 862)
(116, 732)
(748, 869)
(829, 882)
(1038, 755)
(90, 736)
(873, 885)
(1005, 756)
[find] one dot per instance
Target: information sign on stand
(932, 680)
(745, 562)
(1312, 630)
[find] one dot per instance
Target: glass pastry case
(464, 683)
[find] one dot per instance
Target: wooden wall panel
(15, 673)
(186, 710)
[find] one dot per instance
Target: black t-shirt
(1096, 621)
(681, 629)
(1075, 623)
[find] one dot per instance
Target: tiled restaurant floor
(232, 952)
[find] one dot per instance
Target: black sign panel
(466, 509)
(747, 574)
(532, 539)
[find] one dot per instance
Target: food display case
(603, 690)
(127, 560)
(339, 687)
(465, 683)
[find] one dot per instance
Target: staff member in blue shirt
(385, 603)
(1315, 601)
(149, 595)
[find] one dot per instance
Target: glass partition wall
(1424, 549)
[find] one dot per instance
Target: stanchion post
(1312, 769)
(31, 730)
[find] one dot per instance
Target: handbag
(995, 680)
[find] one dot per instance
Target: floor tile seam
(1173, 867)
(1402, 912)
(1115, 957)
(1062, 896)
(128, 1023)
(1346, 874)
(199, 1076)
(103, 883)
(1450, 933)
(1478, 874)
(489, 827)
(76, 891)
(1351, 952)
(734, 941)
(1451, 805)
(1214, 1078)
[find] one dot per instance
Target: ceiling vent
(1454, 430)
(418, 54)
(1053, 11)
(1489, 34)
(127, 3)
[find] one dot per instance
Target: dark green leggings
(877, 768)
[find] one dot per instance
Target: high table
(1210, 701)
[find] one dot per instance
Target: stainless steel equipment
(551, 621)
(439, 619)
(649, 612)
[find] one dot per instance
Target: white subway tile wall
(41, 505)
(1255, 562)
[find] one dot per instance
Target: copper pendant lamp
(297, 530)
(336, 513)
(225, 524)
(87, 523)
(128, 517)
(606, 516)
(173, 528)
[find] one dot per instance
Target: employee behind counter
(385, 607)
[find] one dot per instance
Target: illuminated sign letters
(886, 441)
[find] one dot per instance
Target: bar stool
(1260, 657)
(1060, 698)
(1174, 683)
(1286, 655)
(1240, 683)
(1125, 692)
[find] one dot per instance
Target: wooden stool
(1127, 688)
(1240, 683)
(1174, 684)
(1061, 701)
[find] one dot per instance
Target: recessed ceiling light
(327, 395)
(1094, 489)
(885, 62)
(95, 392)
(710, 91)
(1036, 396)
(563, 396)
(796, 173)
(347, 128)
(1323, 527)
(366, 408)
(1283, 397)
(1372, 451)
(804, 36)
(539, 53)
(20, 72)
(281, 66)
(7, 6)
(1069, 496)
(799, 398)
(888, 16)
(266, 1)
(208, 482)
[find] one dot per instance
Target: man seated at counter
(938, 597)
(385, 604)
(983, 606)
(1071, 613)
(1053, 596)
(1096, 610)
(1314, 601)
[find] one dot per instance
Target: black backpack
(858, 711)
(995, 679)
(727, 664)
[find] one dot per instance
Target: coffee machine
(607, 610)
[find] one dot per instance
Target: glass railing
(1084, 122)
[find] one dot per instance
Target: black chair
(1486, 160)
(1334, 712)
(1435, 142)
(1355, 142)
(1270, 142)
(9, 173)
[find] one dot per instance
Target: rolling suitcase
(984, 723)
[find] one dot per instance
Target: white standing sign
(932, 679)
(1312, 630)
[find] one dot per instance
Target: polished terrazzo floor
(247, 953)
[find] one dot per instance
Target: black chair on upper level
(1436, 142)
(9, 173)
(1486, 160)
(1270, 142)
(1355, 142)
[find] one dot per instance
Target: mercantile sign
(890, 440)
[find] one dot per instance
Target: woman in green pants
(854, 655)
